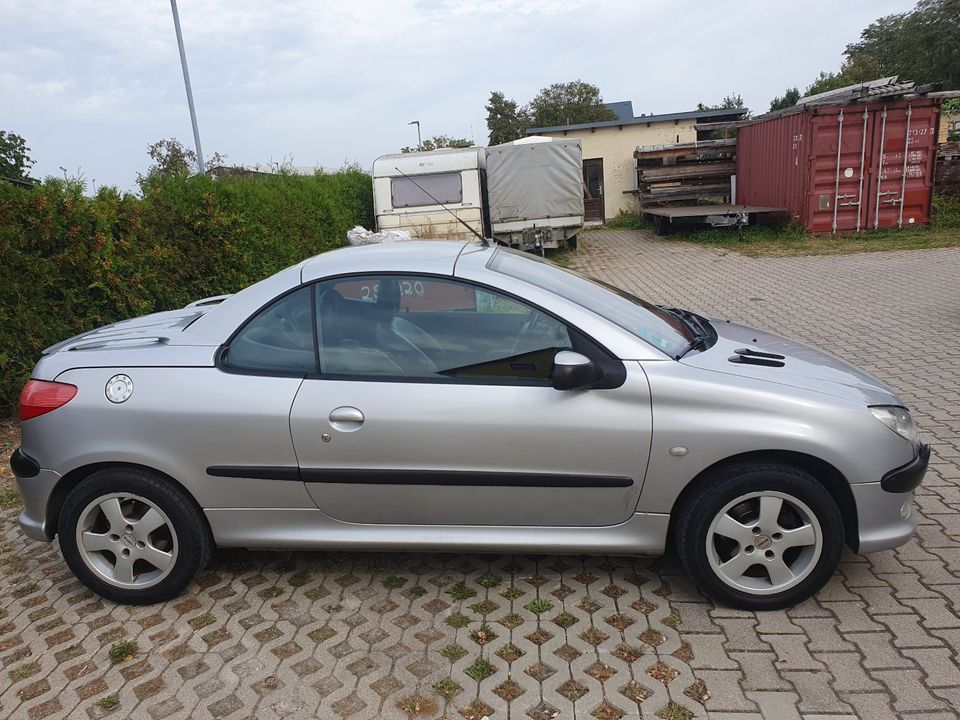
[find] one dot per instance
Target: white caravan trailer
(535, 192)
(452, 176)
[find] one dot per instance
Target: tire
(118, 558)
(734, 518)
(572, 242)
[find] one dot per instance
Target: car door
(434, 405)
(239, 421)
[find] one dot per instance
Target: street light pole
(186, 82)
(419, 141)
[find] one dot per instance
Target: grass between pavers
(122, 651)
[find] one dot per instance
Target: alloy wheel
(127, 540)
(764, 543)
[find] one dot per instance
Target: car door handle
(346, 419)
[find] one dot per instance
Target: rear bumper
(35, 485)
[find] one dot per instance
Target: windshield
(663, 330)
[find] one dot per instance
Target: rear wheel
(132, 536)
(760, 536)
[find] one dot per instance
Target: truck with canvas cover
(535, 192)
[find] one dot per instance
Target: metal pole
(836, 179)
(883, 137)
(903, 173)
(186, 82)
(419, 141)
(863, 155)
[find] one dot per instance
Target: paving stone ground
(330, 635)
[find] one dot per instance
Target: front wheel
(133, 537)
(761, 536)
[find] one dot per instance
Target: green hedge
(69, 262)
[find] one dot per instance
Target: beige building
(949, 125)
(609, 168)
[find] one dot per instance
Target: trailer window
(444, 187)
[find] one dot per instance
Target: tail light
(39, 397)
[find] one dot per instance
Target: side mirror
(573, 371)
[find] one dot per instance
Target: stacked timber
(947, 179)
(685, 171)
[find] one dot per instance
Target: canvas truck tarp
(530, 181)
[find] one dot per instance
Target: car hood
(802, 366)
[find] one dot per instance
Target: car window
(648, 322)
(278, 339)
(421, 327)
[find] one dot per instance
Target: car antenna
(483, 240)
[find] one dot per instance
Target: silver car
(447, 395)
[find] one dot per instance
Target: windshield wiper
(698, 340)
(696, 325)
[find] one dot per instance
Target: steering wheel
(353, 344)
(424, 361)
(419, 338)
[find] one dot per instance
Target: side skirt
(305, 529)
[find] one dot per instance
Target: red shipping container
(843, 167)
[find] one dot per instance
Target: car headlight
(897, 419)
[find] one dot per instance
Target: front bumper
(885, 509)
(907, 477)
(35, 485)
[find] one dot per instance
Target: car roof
(437, 257)
(422, 256)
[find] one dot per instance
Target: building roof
(623, 109)
(732, 113)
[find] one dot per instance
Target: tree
(506, 121)
(15, 160)
(568, 103)
(919, 45)
(170, 157)
(729, 102)
(440, 141)
(825, 81)
(788, 99)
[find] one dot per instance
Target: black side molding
(23, 465)
(907, 477)
(418, 477)
(461, 478)
(255, 472)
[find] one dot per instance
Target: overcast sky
(90, 83)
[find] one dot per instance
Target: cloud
(90, 83)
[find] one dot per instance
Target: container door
(841, 141)
(904, 152)
(593, 190)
